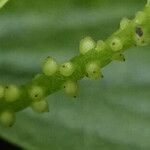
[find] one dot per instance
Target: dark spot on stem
(139, 31)
(86, 75)
(143, 41)
(6, 87)
(10, 125)
(36, 95)
(113, 43)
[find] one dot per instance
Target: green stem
(131, 33)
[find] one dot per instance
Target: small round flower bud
(100, 46)
(40, 106)
(11, 93)
(7, 118)
(86, 45)
(141, 41)
(118, 57)
(66, 69)
(140, 17)
(116, 44)
(1, 91)
(36, 93)
(93, 70)
(49, 66)
(124, 23)
(71, 88)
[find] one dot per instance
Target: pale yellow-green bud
(86, 45)
(93, 70)
(11, 93)
(7, 118)
(71, 88)
(36, 93)
(141, 41)
(124, 23)
(118, 57)
(116, 44)
(101, 45)
(66, 69)
(40, 106)
(49, 66)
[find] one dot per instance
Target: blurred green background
(112, 114)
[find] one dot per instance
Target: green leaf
(112, 114)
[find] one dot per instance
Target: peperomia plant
(89, 63)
